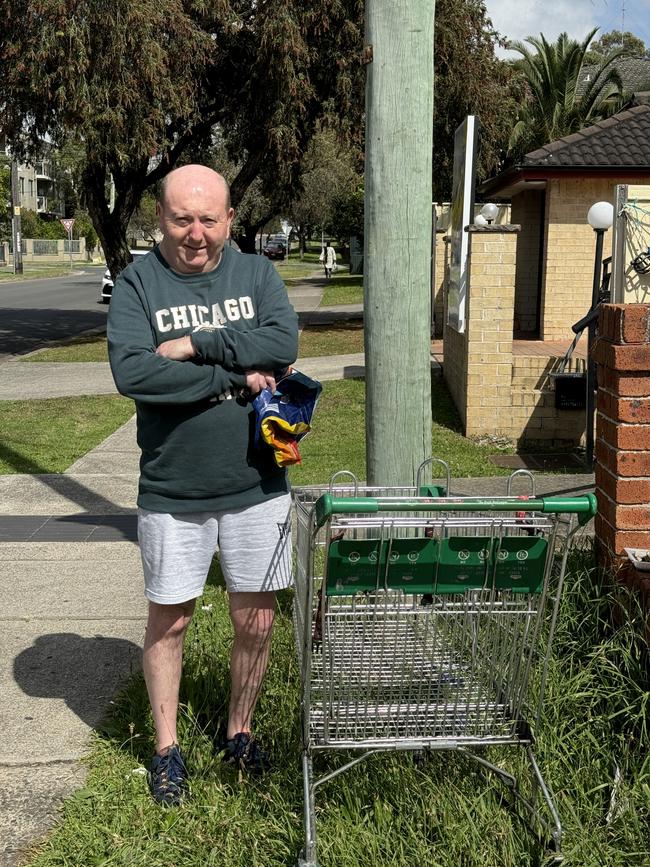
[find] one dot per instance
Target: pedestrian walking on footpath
(328, 258)
(195, 331)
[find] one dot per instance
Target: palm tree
(561, 102)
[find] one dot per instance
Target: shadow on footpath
(24, 330)
(59, 482)
(84, 672)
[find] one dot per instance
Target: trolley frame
(420, 621)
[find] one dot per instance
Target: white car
(107, 280)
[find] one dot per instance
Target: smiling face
(195, 218)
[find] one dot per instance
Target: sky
(518, 19)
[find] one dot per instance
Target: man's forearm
(179, 349)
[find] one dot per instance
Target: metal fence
(631, 245)
(45, 247)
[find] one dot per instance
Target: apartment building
(38, 188)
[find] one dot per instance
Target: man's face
(195, 222)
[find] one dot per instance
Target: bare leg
(162, 664)
(252, 616)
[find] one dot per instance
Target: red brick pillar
(622, 353)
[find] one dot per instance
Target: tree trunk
(111, 226)
(246, 238)
(397, 249)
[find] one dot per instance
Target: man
(194, 330)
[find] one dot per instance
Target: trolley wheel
(552, 853)
(421, 758)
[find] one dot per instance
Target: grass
(33, 271)
(90, 347)
(387, 810)
(47, 436)
(343, 288)
(341, 338)
(295, 269)
(324, 451)
(338, 439)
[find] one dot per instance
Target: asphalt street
(34, 312)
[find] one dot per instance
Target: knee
(255, 626)
(169, 622)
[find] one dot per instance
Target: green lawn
(343, 288)
(337, 442)
(33, 271)
(295, 269)
(388, 810)
(445, 812)
(47, 436)
(338, 439)
(86, 348)
(340, 338)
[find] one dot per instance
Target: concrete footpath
(73, 612)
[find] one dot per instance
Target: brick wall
(442, 254)
(527, 212)
(533, 416)
(439, 277)
(455, 369)
(622, 353)
(569, 250)
(478, 364)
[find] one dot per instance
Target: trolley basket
(422, 620)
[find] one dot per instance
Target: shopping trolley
(423, 621)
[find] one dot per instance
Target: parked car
(274, 250)
(107, 280)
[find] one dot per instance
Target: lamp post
(600, 217)
(489, 212)
(15, 218)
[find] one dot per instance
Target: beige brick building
(531, 279)
(550, 192)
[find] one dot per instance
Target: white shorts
(254, 547)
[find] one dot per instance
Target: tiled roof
(622, 141)
(634, 72)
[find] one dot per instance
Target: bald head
(195, 218)
(193, 175)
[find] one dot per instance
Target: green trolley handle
(584, 507)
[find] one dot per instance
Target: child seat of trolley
(429, 565)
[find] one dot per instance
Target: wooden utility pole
(397, 237)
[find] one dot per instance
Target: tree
(556, 106)
(328, 172)
(608, 42)
(144, 223)
(139, 85)
(34, 226)
(470, 79)
(83, 228)
(348, 215)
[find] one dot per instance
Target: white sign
(67, 225)
(462, 214)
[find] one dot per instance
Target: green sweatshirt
(195, 427)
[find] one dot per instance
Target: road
(34, 312)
